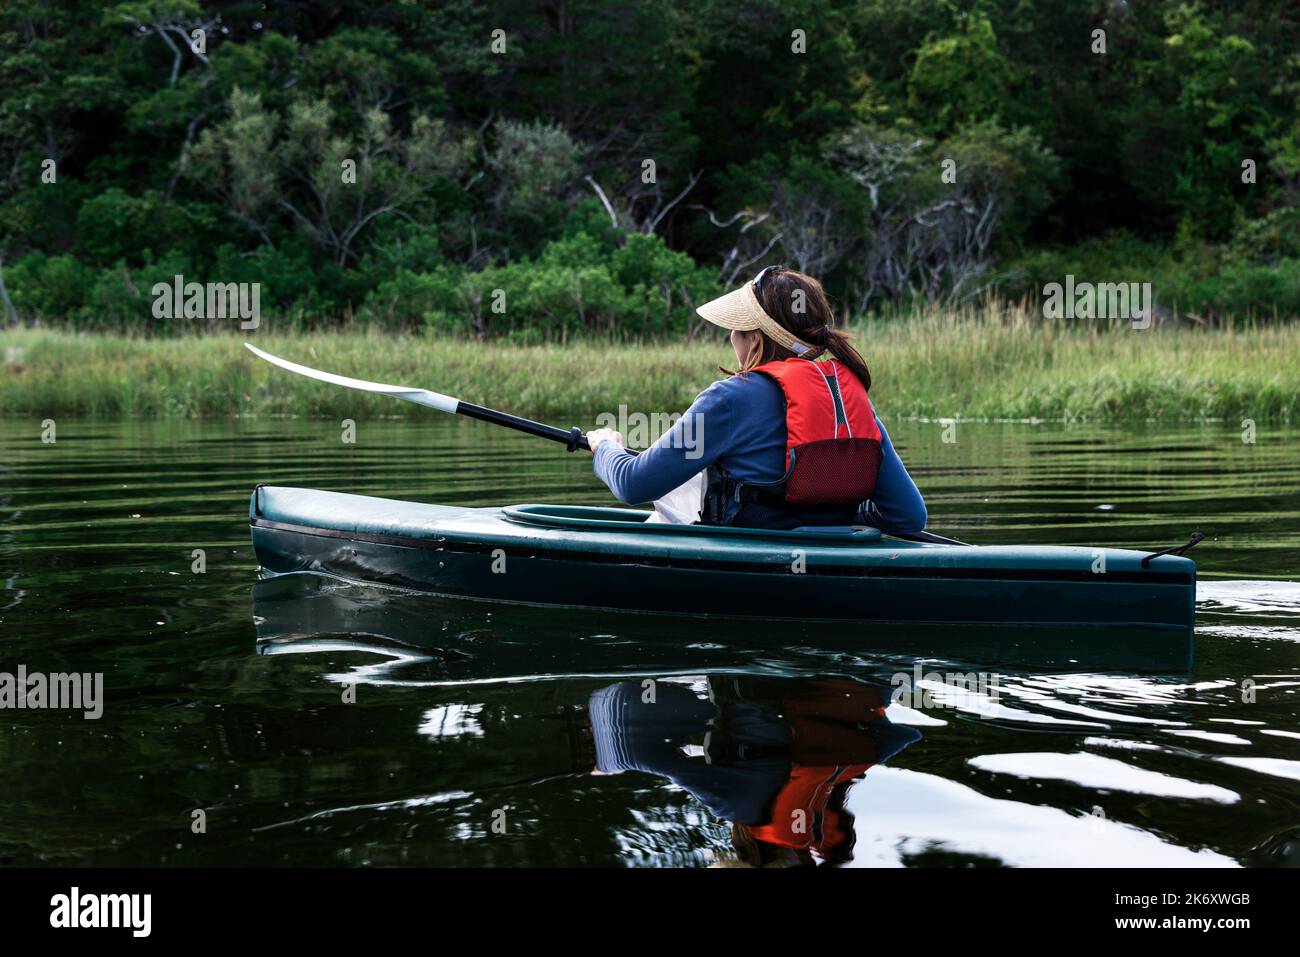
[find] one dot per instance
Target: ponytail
(813, 324)
(839, 345)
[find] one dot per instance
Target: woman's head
(782, 314)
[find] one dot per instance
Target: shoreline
(967, 368)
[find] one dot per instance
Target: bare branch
(653, 225)
(604, 200)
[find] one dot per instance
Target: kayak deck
(612, 558)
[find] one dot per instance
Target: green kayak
(612, 558)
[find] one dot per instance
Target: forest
(533, 171)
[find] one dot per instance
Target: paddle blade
(434, 400)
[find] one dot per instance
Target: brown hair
(814, 323)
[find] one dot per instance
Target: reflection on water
(1128, 734)
(774, 757)
(329, 723)
(494, 642)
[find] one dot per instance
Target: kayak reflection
(774, 757)
(456, 639)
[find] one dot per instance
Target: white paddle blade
(434, 400)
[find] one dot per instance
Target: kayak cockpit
(603, 519)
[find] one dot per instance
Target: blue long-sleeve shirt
(738, 423)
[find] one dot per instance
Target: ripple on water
(1070, 759)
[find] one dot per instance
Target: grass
(991, 364)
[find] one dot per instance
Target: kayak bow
(611, 558)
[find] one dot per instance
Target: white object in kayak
(681, 506)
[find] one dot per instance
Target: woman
(787, 441)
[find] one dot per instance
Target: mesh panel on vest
(833, 471)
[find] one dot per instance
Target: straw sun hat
(740, 309)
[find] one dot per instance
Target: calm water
(475, 729)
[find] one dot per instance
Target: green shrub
(1267, 240)
(115, 226)
(578, 284)
(1248, 291)
(48, 287)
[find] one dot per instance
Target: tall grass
(990, 363)
(999, 363)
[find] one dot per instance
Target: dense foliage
(531, 169)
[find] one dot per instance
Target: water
(475, 729)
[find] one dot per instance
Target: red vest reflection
(773, 756)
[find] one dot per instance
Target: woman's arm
(694, 443)
(896, 504)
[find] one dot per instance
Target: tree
(960, 77)
(331, 185)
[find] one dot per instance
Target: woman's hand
(596, 436)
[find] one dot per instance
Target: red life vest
(833, 448)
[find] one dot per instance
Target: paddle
(573, 439)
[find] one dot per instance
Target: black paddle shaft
(573, 438)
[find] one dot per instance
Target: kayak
(613, 559)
